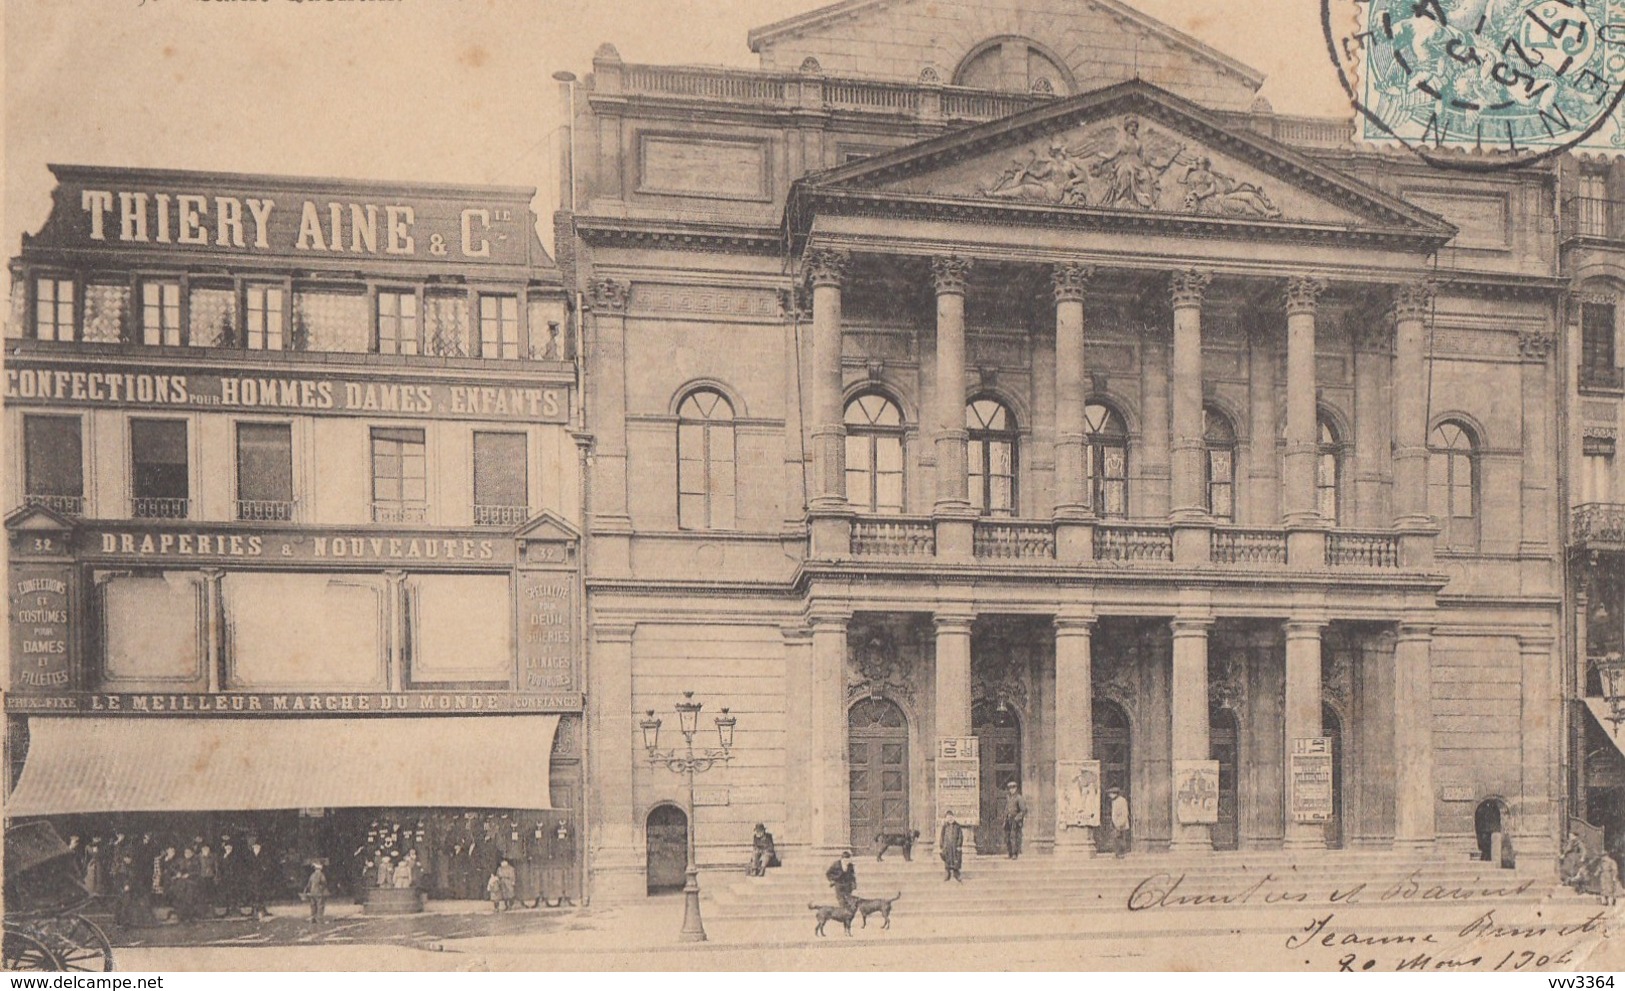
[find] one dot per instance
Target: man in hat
(258, 874)
(1119, 812)
(951, 847)
(842, 875)
(316, 891)
(1015, 818)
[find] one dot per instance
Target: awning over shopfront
(1603, 713)
(162, 764)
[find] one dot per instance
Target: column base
(1077, 843)
(956, 531)
(831, 533)
(1189, 839)
(1304, 840)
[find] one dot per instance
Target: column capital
(1069, 281)
(949, 274)
(825, 266)
(953, 622)
(1186, 288)
(1303, 294)
(827, 616)
(614, 632)
(1413, 300)
(1190, 626)
(1414, 630)
(1535, 345)
(1075, 624)
(608, 295)
(1305, 627)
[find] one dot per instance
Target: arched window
(1329, 473)
(990, 457)
(1219, 437)
(705, 461)
(1105, 459)
(1016, 65)
(874, 455)
(1453, 482)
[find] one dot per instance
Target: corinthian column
(1302, 424)
(948, 274)
(826, 270)
(1412, 305)
(1186, 290)
(1071, 488)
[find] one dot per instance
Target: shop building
(294, 517)
(1009, 372)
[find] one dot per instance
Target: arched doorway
(1332, 727)
(1224, 744)
(1112, 748)
(666, 835)
(998, 732)
(877, 749)
(1490, 819)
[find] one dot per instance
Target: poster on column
(1077, 793)
(959, 774)
(1196, 791)
(1311, 798)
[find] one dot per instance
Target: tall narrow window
(54, 467)
(263, 318)
(990, 459)
(1106, 460)
(160, 479)
(500, 498)
(499, 327)
(1453, 483)
(397, 322)
(705, 461)
(1597, 477)
(1592, 207)
(400, 490)
(1597, 346)
(874, 455)
(264, 471)
(161, 313)
(1329, 473)
(53, 309)
(1219, 438)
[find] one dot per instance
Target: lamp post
(1611, 672)
(689, 764)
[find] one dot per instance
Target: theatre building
(293, 524)
(1000, 392)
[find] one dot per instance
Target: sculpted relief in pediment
(1128, 166)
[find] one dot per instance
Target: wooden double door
(877, 764)
(998, 734)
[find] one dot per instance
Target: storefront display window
(152, 630)
(297, 631)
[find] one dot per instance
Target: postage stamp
(1525, 79)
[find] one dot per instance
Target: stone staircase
(1234, 882)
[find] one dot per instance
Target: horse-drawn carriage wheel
(24, 952)
(83, 945)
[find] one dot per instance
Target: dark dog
(905, 840)
(869, 906)
(840, 913)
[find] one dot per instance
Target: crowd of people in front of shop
(193, 878)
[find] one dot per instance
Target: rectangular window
(54, 468)
(161, 313)
(499, 327)
(1597, 485)
(53, 309)
(399, 476)
(1221, 483)
(264, 471)
(397, 322)
(1597, 335)
(265, 318)
(499, 479)
(1593, 205)
(160, 482)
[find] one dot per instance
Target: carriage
(44, 892)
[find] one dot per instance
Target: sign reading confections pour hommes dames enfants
(49, 384)
(261, 216)
(295, 703)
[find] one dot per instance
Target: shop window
(161, 313)
(460, 629)
(160, 482)
(265, 318)
(1106, 459)
(397, 322)
(332, 321)
(264, 471)
(1329, 473)
(54, 468)
(399, 476)
(1597, 473)
(105, 309)
(500, 497)
(499, 327)
(705, 461)
(1453, 483)
(991, 457)
(153, 630)
(53, 309)
(1219, 438)
(287, 631)
(211, 316)
(874, 455)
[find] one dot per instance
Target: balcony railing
(1599, 523)
(399, 512)
(150, 508)
(495, 515)
(1014, 541)
(1589, 216)
(1121, 542)
(894, 537)
(271, 510)
(73, 505)
(1354, 549)
(1601, 377)
(1236, 546)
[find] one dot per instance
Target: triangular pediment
(547, 526)
(37, 518)
(1127, 153)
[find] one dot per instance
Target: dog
(840, 913)
(905, 840)
(869, 906)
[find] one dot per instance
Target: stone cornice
(678, 236)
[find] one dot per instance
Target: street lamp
(689, 764)
(1611, 672)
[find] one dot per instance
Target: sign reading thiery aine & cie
(294, 703)
(41, 626)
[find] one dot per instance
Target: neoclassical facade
(1014, 374)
